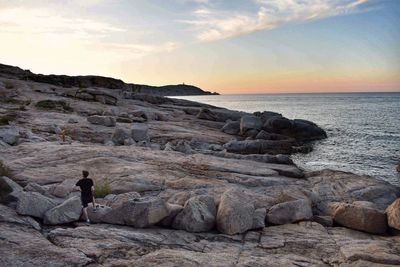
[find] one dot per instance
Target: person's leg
(85, 214)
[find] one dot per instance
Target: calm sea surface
(363, 128)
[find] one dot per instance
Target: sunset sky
(231, 46)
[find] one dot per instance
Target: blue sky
(227, 46)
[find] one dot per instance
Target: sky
(227, 46)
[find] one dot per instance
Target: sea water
(363, 128)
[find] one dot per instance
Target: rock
(65, 188)
(139, 132)
(9, 215)
(326, 221)
(182, 146)
(198, 215)
(231, 127)
(278, 123)
(34, 204)
(206, 114)
(120, 135)
(398, 167)
(393, 214)
(115, 201)
(73, 120)
(96, 216)
(259, 218)
(173, 210)
(259, 147)
(34, 187)
(307, 131)
(359, 218)
(9, 190)
(102, 120)
(250, 122)
(68, 211)
(139, 213)
(270, 136)
(9, 135)
(290, 212)
(266, 115)
(235, 212)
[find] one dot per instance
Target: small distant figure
(87, 193)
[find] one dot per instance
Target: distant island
(86, 81)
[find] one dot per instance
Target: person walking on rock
(87, 189)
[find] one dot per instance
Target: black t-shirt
(86, 186)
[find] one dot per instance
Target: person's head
(85, 174)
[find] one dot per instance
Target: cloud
(43, 30)
(217, 24)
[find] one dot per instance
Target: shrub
(102, 189)
(6, 119)
(8, 85)
(5, 170)
(54, 105)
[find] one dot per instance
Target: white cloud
(43, 32)
(212, 25)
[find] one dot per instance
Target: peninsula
(179, 183)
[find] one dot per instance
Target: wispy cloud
(216, 24)
(45, 28)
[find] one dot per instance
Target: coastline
(206, 197)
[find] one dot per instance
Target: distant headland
(100, 81)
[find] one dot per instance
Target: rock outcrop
(290, 212)
(198, 215)
(34, 204)
(68, 211)
(393, 214)
(359, 218)
(235, 212)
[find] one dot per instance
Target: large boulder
(198, 215)
(9, 135)
(278, 123)
(96, 215)
(393, 214)
(290, 212)
(231, 127)
(120, 136)
(259, 218)
(139, 213)
(360, 218)
(34, 204)
(173, 211)
(139, 132)
(63, 189)
(259, 147)
(307, 131)
(68, 211)
(206, 114)
(235, 212)
(115, 201)
(250, 122)
(102, 120)
(9, 190)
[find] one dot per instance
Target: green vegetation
(48, 104)
(5, 170)
(8, 85)
(6, 119)
(102, 189)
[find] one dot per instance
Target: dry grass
(102, 188)
(5, 170)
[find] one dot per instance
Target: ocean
(363, 128)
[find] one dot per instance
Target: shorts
(86, 200)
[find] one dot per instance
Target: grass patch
(6, 119)
(6, 171)
(54, 105)
(102, 189)
(9, 85)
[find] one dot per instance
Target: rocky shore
(179, 183)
